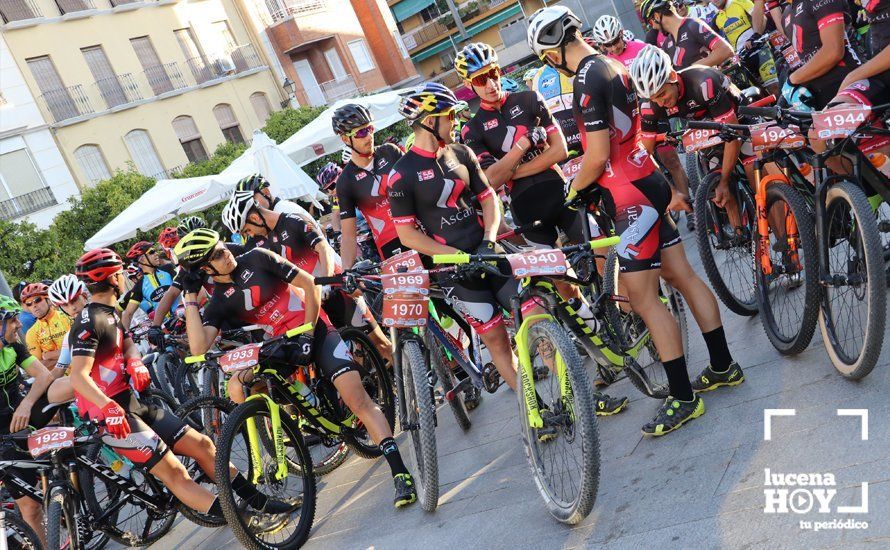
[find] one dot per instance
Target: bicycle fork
(253, 438)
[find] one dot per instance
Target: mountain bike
(15, 533)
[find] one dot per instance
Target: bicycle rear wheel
(853, 308)
(421, 424)
(449, 380)
(725, 253)
(788, 298)
(566, 467)
(19, 535)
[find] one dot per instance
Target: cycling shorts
(480, 301)
(41, 415)
(330, 354)
(869, 92)
(547, 205)
(642, 222)
(345, 311)
(153, 431)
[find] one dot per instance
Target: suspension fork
(253, 438)
(397, 343)
(820, 175)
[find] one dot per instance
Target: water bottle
(881, 162)
(807, 171)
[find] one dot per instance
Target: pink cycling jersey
(630, 52)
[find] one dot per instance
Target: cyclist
(362, 184)
(157, 276)
(17, 412)
(688, 40)
(290, 299)
(327, 180)
(262, 192)
(103, 359)
(876, 71)
(69, 294)
(302, 245)
(637, 198)
(167, 238)
(740, 21)
(44, 338)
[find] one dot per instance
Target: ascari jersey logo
(425, 175)
(229, 291)
(489, 124)
(515, 111)
(360, 175)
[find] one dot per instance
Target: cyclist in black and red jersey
(260, 287)
(362, 184)
(636, 196)
(104, 362)
(688, 41)
(872, 79)
(434, 191)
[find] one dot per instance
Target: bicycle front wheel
(61, 532)
(853, 308)
(19, 535)
(448, 380)
(565, 455)
(421, 424)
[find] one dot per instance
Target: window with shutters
(261, 105)
(190, 138)
(335, 64)
(143, 153)
(56, 97)
(92, 163)
(361, 56)
(228, 123)
(107, 82)
(157, 77)
(194, 56)
(22, 188)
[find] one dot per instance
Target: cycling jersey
(365, 190)
(283, 206)
(630, 52)
(734, 21)
(207, 280)
(556, 90)
(435, 191)
(97, 332)
(654, 37)
(695, 40)
(705, 93)
(802, 22)
(878, 12)
(12, 357)
(48, 333)
(294, 240)
(151, 287)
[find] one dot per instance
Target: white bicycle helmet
(65, 289)
(548, 28)
(628, 36)
(606, 29)
(530, 74)
(234, 215)
(650, 70)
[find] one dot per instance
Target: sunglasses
(612, 43)
(362, 133)
(217, 254)
(35, 301)
(493, 73)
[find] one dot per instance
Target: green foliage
(285, 123)
(224, 155)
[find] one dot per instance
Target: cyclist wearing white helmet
(636, 196)
(70, 295)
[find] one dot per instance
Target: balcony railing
(164, 78)
(71, 6)
(116, 3)
(18, 10)
(28, 203)
(245, 57)
(279, 10)
(65, 103)
(441, 26)
(339, 88)
(449, 79)
(118, 90)
(201, 69)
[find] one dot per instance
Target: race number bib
(405, 261)
(241, 358)
(50, 439)
(537, 263)
(696, 140)
(834, 123)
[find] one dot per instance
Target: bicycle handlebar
(306, 327)
(463, 258)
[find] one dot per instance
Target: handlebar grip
(299, 330)
(765, 112)
(192, 359)
(605, 242)
(333, 280)
(459, 258)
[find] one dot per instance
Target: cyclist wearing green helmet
(262, 193)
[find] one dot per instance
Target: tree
(224, 155)
(287, 122)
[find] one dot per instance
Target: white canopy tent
(280, 164)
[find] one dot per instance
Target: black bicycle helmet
(253, 182)
(349, 117)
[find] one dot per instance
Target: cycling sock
(215, 508)
(718, 349)
(678, 379)
(393, 457)
(248, 492)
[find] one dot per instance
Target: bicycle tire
(59, 535)
(872, 341)
(584, 425)
(22, 536)
(88, 485)
(186, 384)
(235, 429)
(794, 342)
(742, 300)
(448, 380)
(421, 410)
(693, 175)
(165, 372)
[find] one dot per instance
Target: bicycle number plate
(537, 263)
(696, 140)
(778, 40)
(791, 57)
(241, 358)
(841, 122)
(405, 310)
(768, 136)
(405, 261)
(417, 282)
(50, 439)
(572, 167)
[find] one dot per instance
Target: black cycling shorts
(546, 203)
(345, 311)
(641, 220)
(153, 431)
(480, 301)
(41, 414)
(330, 355)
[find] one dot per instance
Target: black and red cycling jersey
(259, 294)
(365, 190)
(493, 131)
(97, 332)
(695, 40)
(878, 12)
(604, 99)
(436, 191)
(802, 21)
(207, 281)
(294, 240)
(705, 93)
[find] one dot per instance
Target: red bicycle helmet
(98, 264)
(138, 249)
(168, 237)
(34, 289)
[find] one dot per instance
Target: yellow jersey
(48, 333)
(734, 22)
